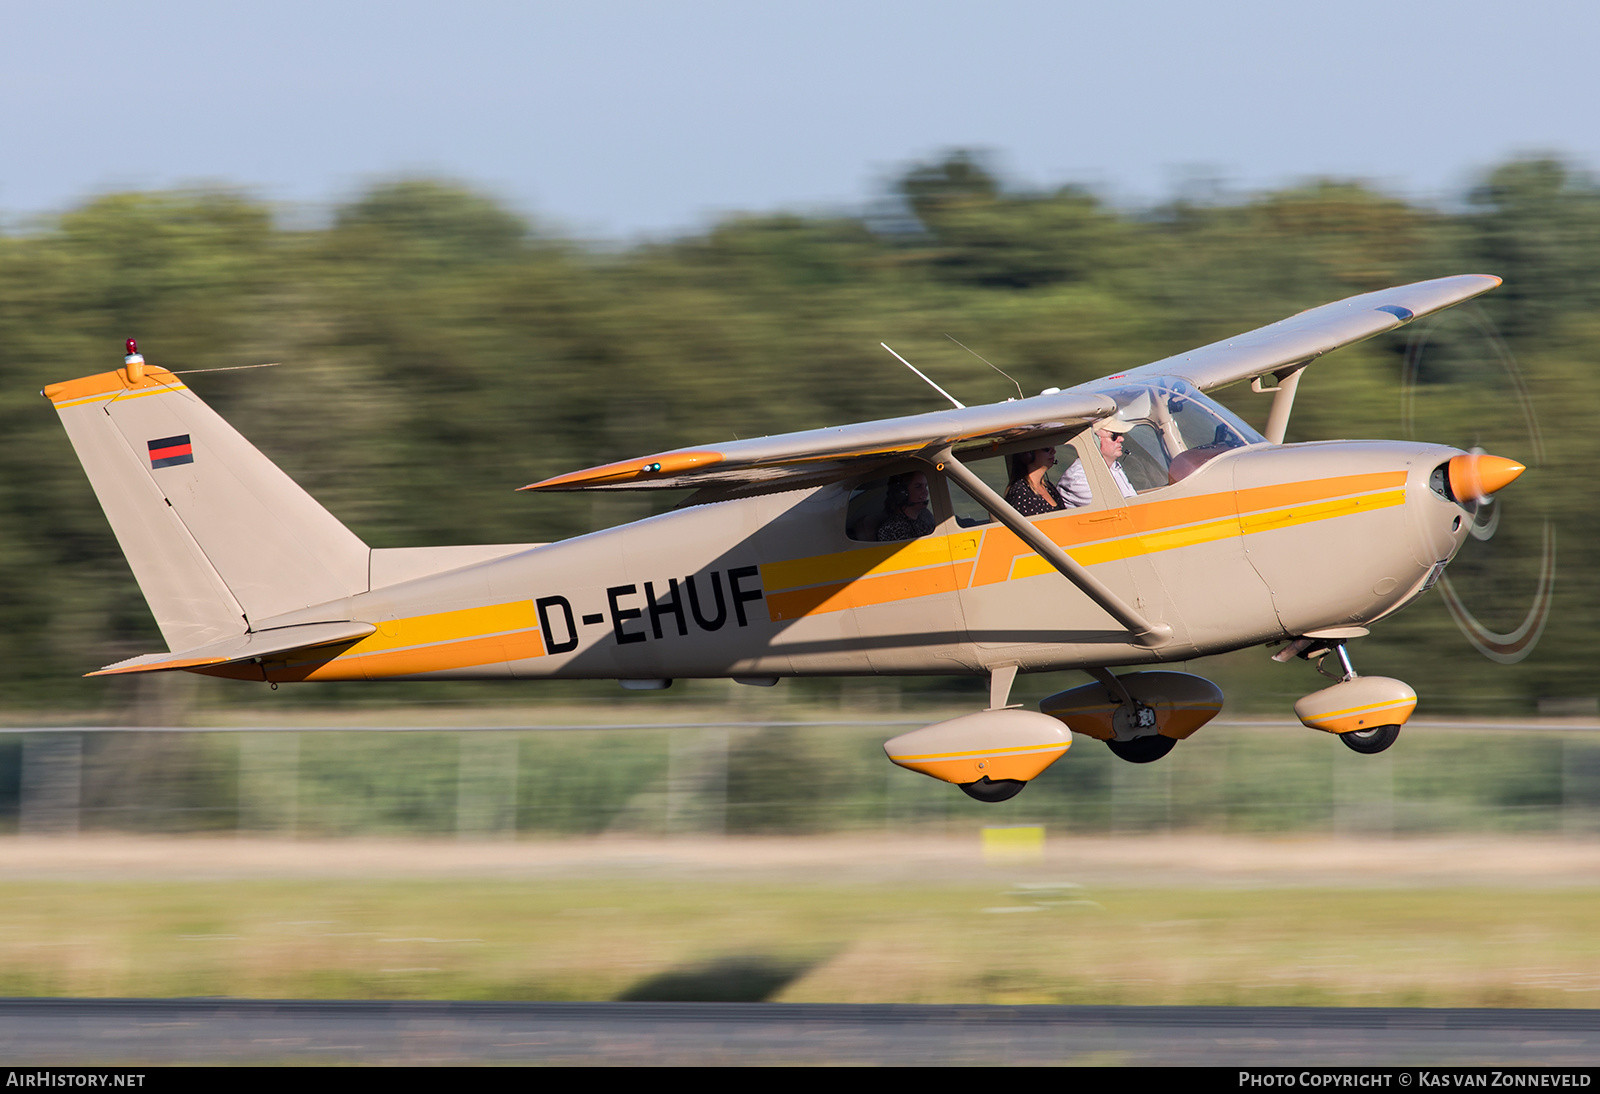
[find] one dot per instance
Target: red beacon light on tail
(133, 363)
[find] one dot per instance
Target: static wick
(988, 362)
(959, 405)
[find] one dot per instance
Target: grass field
(1181, 920)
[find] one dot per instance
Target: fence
(789, 777)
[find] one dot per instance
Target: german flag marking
(171, 451)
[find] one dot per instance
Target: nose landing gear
(1365, 711)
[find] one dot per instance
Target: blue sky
(612, 118)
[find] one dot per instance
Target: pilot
(1108, 433)
(1030, 491)
(906, 514)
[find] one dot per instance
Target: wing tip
(1480, 283)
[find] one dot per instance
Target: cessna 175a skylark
(863, 549)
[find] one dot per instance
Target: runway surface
(131, 1032)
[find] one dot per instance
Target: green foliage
(438, 351)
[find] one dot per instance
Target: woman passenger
(1030, 491)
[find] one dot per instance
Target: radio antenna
(226, 368)
(959, 405)
(988, 362)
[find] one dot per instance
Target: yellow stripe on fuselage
(871, 575)
(973, 557)
(1247, 524)
(460, 639)
(429, 630)
(887, 558)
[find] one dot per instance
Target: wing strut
(1282, 402)
(1145, 633)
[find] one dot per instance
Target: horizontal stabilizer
(244, 647)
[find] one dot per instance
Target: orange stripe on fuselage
(1001, 547)
(468, 653)
(867, 591)
(464, 638)
(1091, 537)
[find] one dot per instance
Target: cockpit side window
(1175, 430)
(1203, 431)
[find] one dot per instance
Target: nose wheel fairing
(1358, 705)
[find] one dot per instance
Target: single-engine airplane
(1176, 531)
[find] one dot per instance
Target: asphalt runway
(132, 1032)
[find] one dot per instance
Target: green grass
(586, 939)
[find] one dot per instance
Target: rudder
(216, 534)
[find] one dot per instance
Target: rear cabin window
(891, 509)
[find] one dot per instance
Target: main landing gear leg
(1145, 748)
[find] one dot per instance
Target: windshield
(1175, 429)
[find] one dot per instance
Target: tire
(1142, 750)
(1370, 742)
(996, 790)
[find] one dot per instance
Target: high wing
(1301, 339)
(820, 454)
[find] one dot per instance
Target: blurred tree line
(438, 351)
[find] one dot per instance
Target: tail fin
(216, 534)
